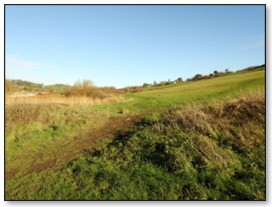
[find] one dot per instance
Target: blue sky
(130, 45)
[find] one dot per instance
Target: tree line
(180, 80)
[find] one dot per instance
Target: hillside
(254, 68)
(200, 140)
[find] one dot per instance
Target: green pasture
(158, 98)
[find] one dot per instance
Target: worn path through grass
(33, 155)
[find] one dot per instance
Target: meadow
(201, 140)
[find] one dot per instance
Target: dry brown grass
(249, 108)
(21, 114)
(213, 127)
(47, 109)
(57, 99)
(10, 87)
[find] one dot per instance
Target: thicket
(87, 88)
(27, 85)
(132, 89)
(198, 77)
(10, 87)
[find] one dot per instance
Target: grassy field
(232, 85)
(202, 140)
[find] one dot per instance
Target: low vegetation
(82, 93)
(10, 87)
(87, 89)
(58, 99)
(199, 140)
(212, 151)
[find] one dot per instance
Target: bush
(98, 93)
(10, 87)
(86, 88)
(197, 77)
(162, 83)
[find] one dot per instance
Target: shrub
(86, 88)
(179, 80)
(10, 87)
(197, 77)
(162, 83)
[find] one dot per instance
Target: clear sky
(130, 45)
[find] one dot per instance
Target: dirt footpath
(66, 153)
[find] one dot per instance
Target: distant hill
(25, 84)
(253, 67)
(16, 85)
(12, 86)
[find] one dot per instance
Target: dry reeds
(48, 109)
(50, 99)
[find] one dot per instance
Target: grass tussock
(23, 114)
(227, 117)
(209, 151)
(52, 111)
(216, 130)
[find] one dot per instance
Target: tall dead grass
(22, 114)
(57, 99)
(47, 109)
(217, 128)
(249, 108)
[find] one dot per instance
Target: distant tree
(198, 77)
(145, 85)
(179, 80)
(87, 83)
(215, 73)
(227, 71)
(162, 83)
(211, 74)
(168, 82)
(155, 83)
(77, 83)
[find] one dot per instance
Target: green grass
(43, 130)
(216, 88)
(192, 144)
(159, 98)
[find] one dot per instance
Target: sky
(121, 45)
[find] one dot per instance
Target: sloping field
(232, 85)
(197, 140)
